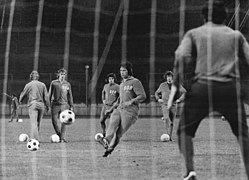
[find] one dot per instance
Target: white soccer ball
(67, 117)
(165, 138)
(98, 136)
(33, 145)
(23, 137)
(20, 120)
(55, 138)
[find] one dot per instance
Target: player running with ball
(125, 112)
(110, 94)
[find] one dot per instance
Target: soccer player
(36, 92)
(14, 108)
(110, 94)
(125, 113)
(214, 51)
(162, 96)
(61, 98)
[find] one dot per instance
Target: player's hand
(160, 100)
(108, 111)
(104, 101)
(127, 103)
(178, 101)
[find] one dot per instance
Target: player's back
(215, 48)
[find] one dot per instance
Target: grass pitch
(140, 154)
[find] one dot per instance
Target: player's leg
(16, 115)
(172, 114)
(196, 107)
(103, 118)
(113, 126)
(127, 119)
(33, 114)
(63, 126)
(39, 118)
(166, 118)
(55, 110)
(236, 117)
(11, 115)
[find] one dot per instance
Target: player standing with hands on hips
(36, 92)
(131, 93)
(61, 98)
(110, 94)
(214, 51)
(162, 96)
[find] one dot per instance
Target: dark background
(52, 40)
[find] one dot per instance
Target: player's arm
(158, 94)
(23, 93)
(140, 93)
(182, 94)
(45, 98)
(50, 92)
(114, 106)
(183, 59)
(70, 97)
(103, 95)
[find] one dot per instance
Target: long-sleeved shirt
(164, 91)
(214, 51)
(36, 92)
(110, 93)
(60, 93)
(129, 89)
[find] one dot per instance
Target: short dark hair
(219, 12)
(167, 73)
(62, 70)
(128, 66)
(111, 75)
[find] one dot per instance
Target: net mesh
(90, 38)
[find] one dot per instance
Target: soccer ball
(165, 138)
(55, 138)
(67, 117)
(23, 137)
(33, 145)
(20, 120)
(98, 136)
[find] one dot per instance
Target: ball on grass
(33, 145)
(23, 137)
(98, 136)
(20, 120)
(165, 138)
(55, 138)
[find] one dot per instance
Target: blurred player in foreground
(126, 112)
(110, 94)
(162, 96)
(14, 108)
(61, 98)
(214, 51)
(36, 92)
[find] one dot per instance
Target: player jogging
(110, 95)
(214, 51)
(36, 92)
(131, 94)
(61, 98)
(162, 96)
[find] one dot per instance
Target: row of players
(38, 101)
